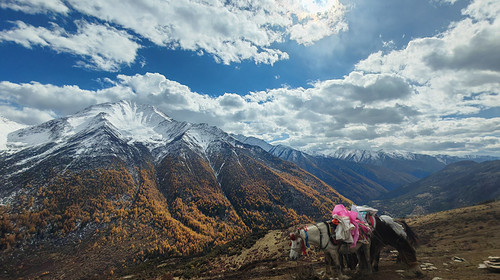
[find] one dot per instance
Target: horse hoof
(413, 274)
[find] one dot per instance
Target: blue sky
(413, 75)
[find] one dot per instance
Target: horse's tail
(411, 235)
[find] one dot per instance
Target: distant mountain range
(363, 175)
(459, 184)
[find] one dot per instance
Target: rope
(307, 238)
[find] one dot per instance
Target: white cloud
(35, 6)
(52, 100)
(454, 72)
(445, 1)
(26, 115)
(316, 20)
(230, 31)
(104, 47)
(483, 9)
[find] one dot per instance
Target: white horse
(317, 235)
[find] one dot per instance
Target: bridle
(305, 244)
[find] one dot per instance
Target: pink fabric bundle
(340, 210)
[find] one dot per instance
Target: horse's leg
(376, 259)
(375, 248)
(363, 254)
(351, 260)
(341, 261)
(366, 260)
(335, 255)
(329, 263)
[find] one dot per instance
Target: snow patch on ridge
(130, 122)
(357, 155)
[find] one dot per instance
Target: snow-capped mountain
(122, 129)
(366, 156)
(381, 156)
(254, 141)
(131, 123)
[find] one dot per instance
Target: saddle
(365, 231)
(331, 226)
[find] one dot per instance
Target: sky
(419, 76)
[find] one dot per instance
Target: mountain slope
(459, 184)
(119, 182)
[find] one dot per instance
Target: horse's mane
(412, 236)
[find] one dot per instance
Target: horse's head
(297, 245)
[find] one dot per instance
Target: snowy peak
(366, 156)
(137, 123)
(130, 122)
(125, 116)
(381, 156)
(202, 136)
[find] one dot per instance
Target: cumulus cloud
(33, 103)
(230, 31)
(453, 72)
(27, 115)
(105, 47)
(35, 6)
(315, 119)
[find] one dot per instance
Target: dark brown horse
(398, 235)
